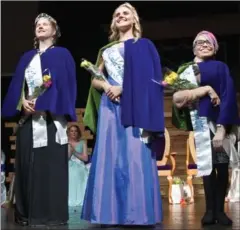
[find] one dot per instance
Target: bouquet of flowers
(177, 180)
(39, 90)
(177, 190)
(174, 82)
(94, 70)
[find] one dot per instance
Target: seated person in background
(3, 187)
(234, 189)
(78, 172)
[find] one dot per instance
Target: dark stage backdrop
(82, 31)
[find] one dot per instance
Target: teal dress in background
(78, 175)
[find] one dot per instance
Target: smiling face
(204, 47)
(123, 18)
(44, 29)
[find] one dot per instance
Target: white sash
(114, 63)
(40, 137)
(201, 132)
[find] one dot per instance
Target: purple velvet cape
(142, 100)
(216, 74)
(60, 98)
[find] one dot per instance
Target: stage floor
(175, 217)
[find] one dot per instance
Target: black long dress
(41, 183)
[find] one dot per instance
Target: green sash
(94, 97)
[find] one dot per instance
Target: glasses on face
(202, 42)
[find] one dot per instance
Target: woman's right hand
(28, 106)
(106, 87)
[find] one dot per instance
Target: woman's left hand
(214, 97)
(218, 140)
(34, 102)
(114, 92)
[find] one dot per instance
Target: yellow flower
(85, 63)
(173, 75)
(46, 78)
(169, 80)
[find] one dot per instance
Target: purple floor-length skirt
(123, 186)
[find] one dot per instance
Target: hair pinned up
(54, 24)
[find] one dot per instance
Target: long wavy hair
(78, 131)
(137, 30)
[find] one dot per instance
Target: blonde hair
(137, 30)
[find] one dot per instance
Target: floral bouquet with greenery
(95, 72)
(174, 82)
(39, 90)
(177, 180)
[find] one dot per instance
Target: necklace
(43, 51)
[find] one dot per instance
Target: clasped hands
(112, 91)
(72, 148)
